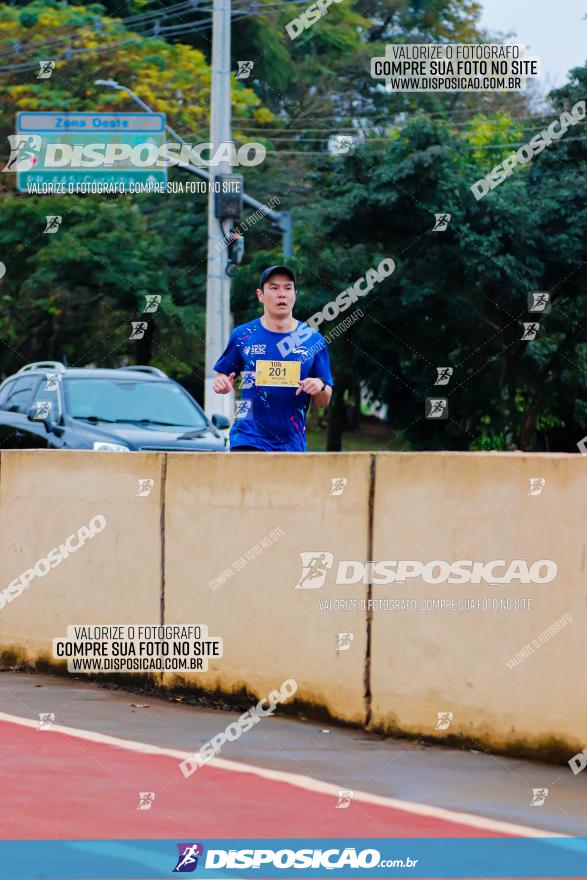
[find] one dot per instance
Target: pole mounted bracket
(228, 196)
(283, 222)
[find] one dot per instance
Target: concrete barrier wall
(476, 506)
(114, 577)
(217, 541)
(218, 508)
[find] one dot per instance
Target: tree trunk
(336, 417)
(144, 345)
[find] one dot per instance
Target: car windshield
(123, 400)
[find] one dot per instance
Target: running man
(276, 389)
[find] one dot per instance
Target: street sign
(69, 136)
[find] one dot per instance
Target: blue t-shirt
(268, 416)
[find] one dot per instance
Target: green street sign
(89, 152)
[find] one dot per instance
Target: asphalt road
(483, 785)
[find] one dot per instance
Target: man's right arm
(223, 384)
(228, 365)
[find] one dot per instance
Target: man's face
(278, 295)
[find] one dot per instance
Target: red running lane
(58, 786)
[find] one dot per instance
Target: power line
(111, 24)
(241, 10)
(463, 145)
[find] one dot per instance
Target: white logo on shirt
(257, 349)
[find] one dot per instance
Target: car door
(16, 430)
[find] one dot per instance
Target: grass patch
(372, 435)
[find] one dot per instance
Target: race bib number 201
(284, 373)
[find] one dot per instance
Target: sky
(555, 31)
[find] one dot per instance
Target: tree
(74, 293)
(459, 298)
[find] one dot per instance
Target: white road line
(300, 781)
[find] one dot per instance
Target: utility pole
(218, 282)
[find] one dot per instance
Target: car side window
(20, 395)
(4, 394)
(48, 393)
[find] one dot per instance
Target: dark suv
(48, 406)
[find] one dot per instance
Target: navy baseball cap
(274, 270)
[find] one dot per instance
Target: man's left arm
(319, 383)
(318, 389)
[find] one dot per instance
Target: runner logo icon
(314, 568)
(187, 860)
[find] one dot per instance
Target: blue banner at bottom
(552, 857)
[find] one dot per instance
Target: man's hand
(223, 384)
(310, 386)
(320, 396)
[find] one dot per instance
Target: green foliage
(174, 79)
(457, 298)
(74, 293)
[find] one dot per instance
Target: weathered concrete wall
(188, 552)
(477, 507)
(217, 509)
(114, 577)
